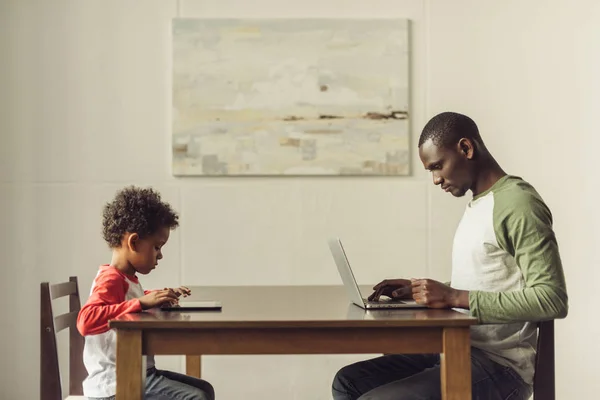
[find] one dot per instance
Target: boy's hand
(158, 298)
(181, 291)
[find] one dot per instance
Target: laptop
(188, 305)
(352, 289)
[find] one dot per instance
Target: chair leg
(193, 366)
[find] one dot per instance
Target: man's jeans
(417, 377)
(167, 385)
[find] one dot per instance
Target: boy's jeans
(167, 385)
(417, 377)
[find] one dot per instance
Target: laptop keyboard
(383, 303)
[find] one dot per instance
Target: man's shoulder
(515, 191)
(517, 197)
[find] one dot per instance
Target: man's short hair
(447, 128)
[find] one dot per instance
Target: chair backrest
(50, 385)
(543, 381)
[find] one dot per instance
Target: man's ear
(466, 148)
(132, 241)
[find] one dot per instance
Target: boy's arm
(106, 302)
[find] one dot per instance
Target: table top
(287, 307)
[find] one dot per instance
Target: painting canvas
(290, 97)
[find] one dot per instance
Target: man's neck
(487, 177)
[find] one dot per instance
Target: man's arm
(524, 229)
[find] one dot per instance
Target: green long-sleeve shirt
(506, 254)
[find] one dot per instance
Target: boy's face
(145, 253)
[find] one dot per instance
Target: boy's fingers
(184, 290)
(169, 294)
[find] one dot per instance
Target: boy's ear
(132, 241)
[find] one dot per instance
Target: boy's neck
(119, 261)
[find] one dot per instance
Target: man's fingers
(420, 298)
(375, 295)
(380, 284)
(401, 292)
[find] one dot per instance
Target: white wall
(85, 109)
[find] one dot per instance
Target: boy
(136, 224)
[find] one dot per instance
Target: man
(506, 271)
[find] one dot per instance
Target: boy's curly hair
(136, 210)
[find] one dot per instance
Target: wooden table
(292, 320)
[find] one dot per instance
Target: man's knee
(203, 389)
(342, 387)
(208, 391)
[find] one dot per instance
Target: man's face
(450, 166)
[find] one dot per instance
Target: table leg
(456, 364)
(131, 372)
(193, 366)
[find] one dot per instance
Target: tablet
(205, 305)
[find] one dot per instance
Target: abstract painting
(290, 97)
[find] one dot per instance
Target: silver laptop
(339, 256)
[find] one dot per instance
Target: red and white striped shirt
(113, 294)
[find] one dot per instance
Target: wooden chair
(50, 385)
(543, 380)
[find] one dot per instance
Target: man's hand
(393, 288)
(435, 294)
(158, 298)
